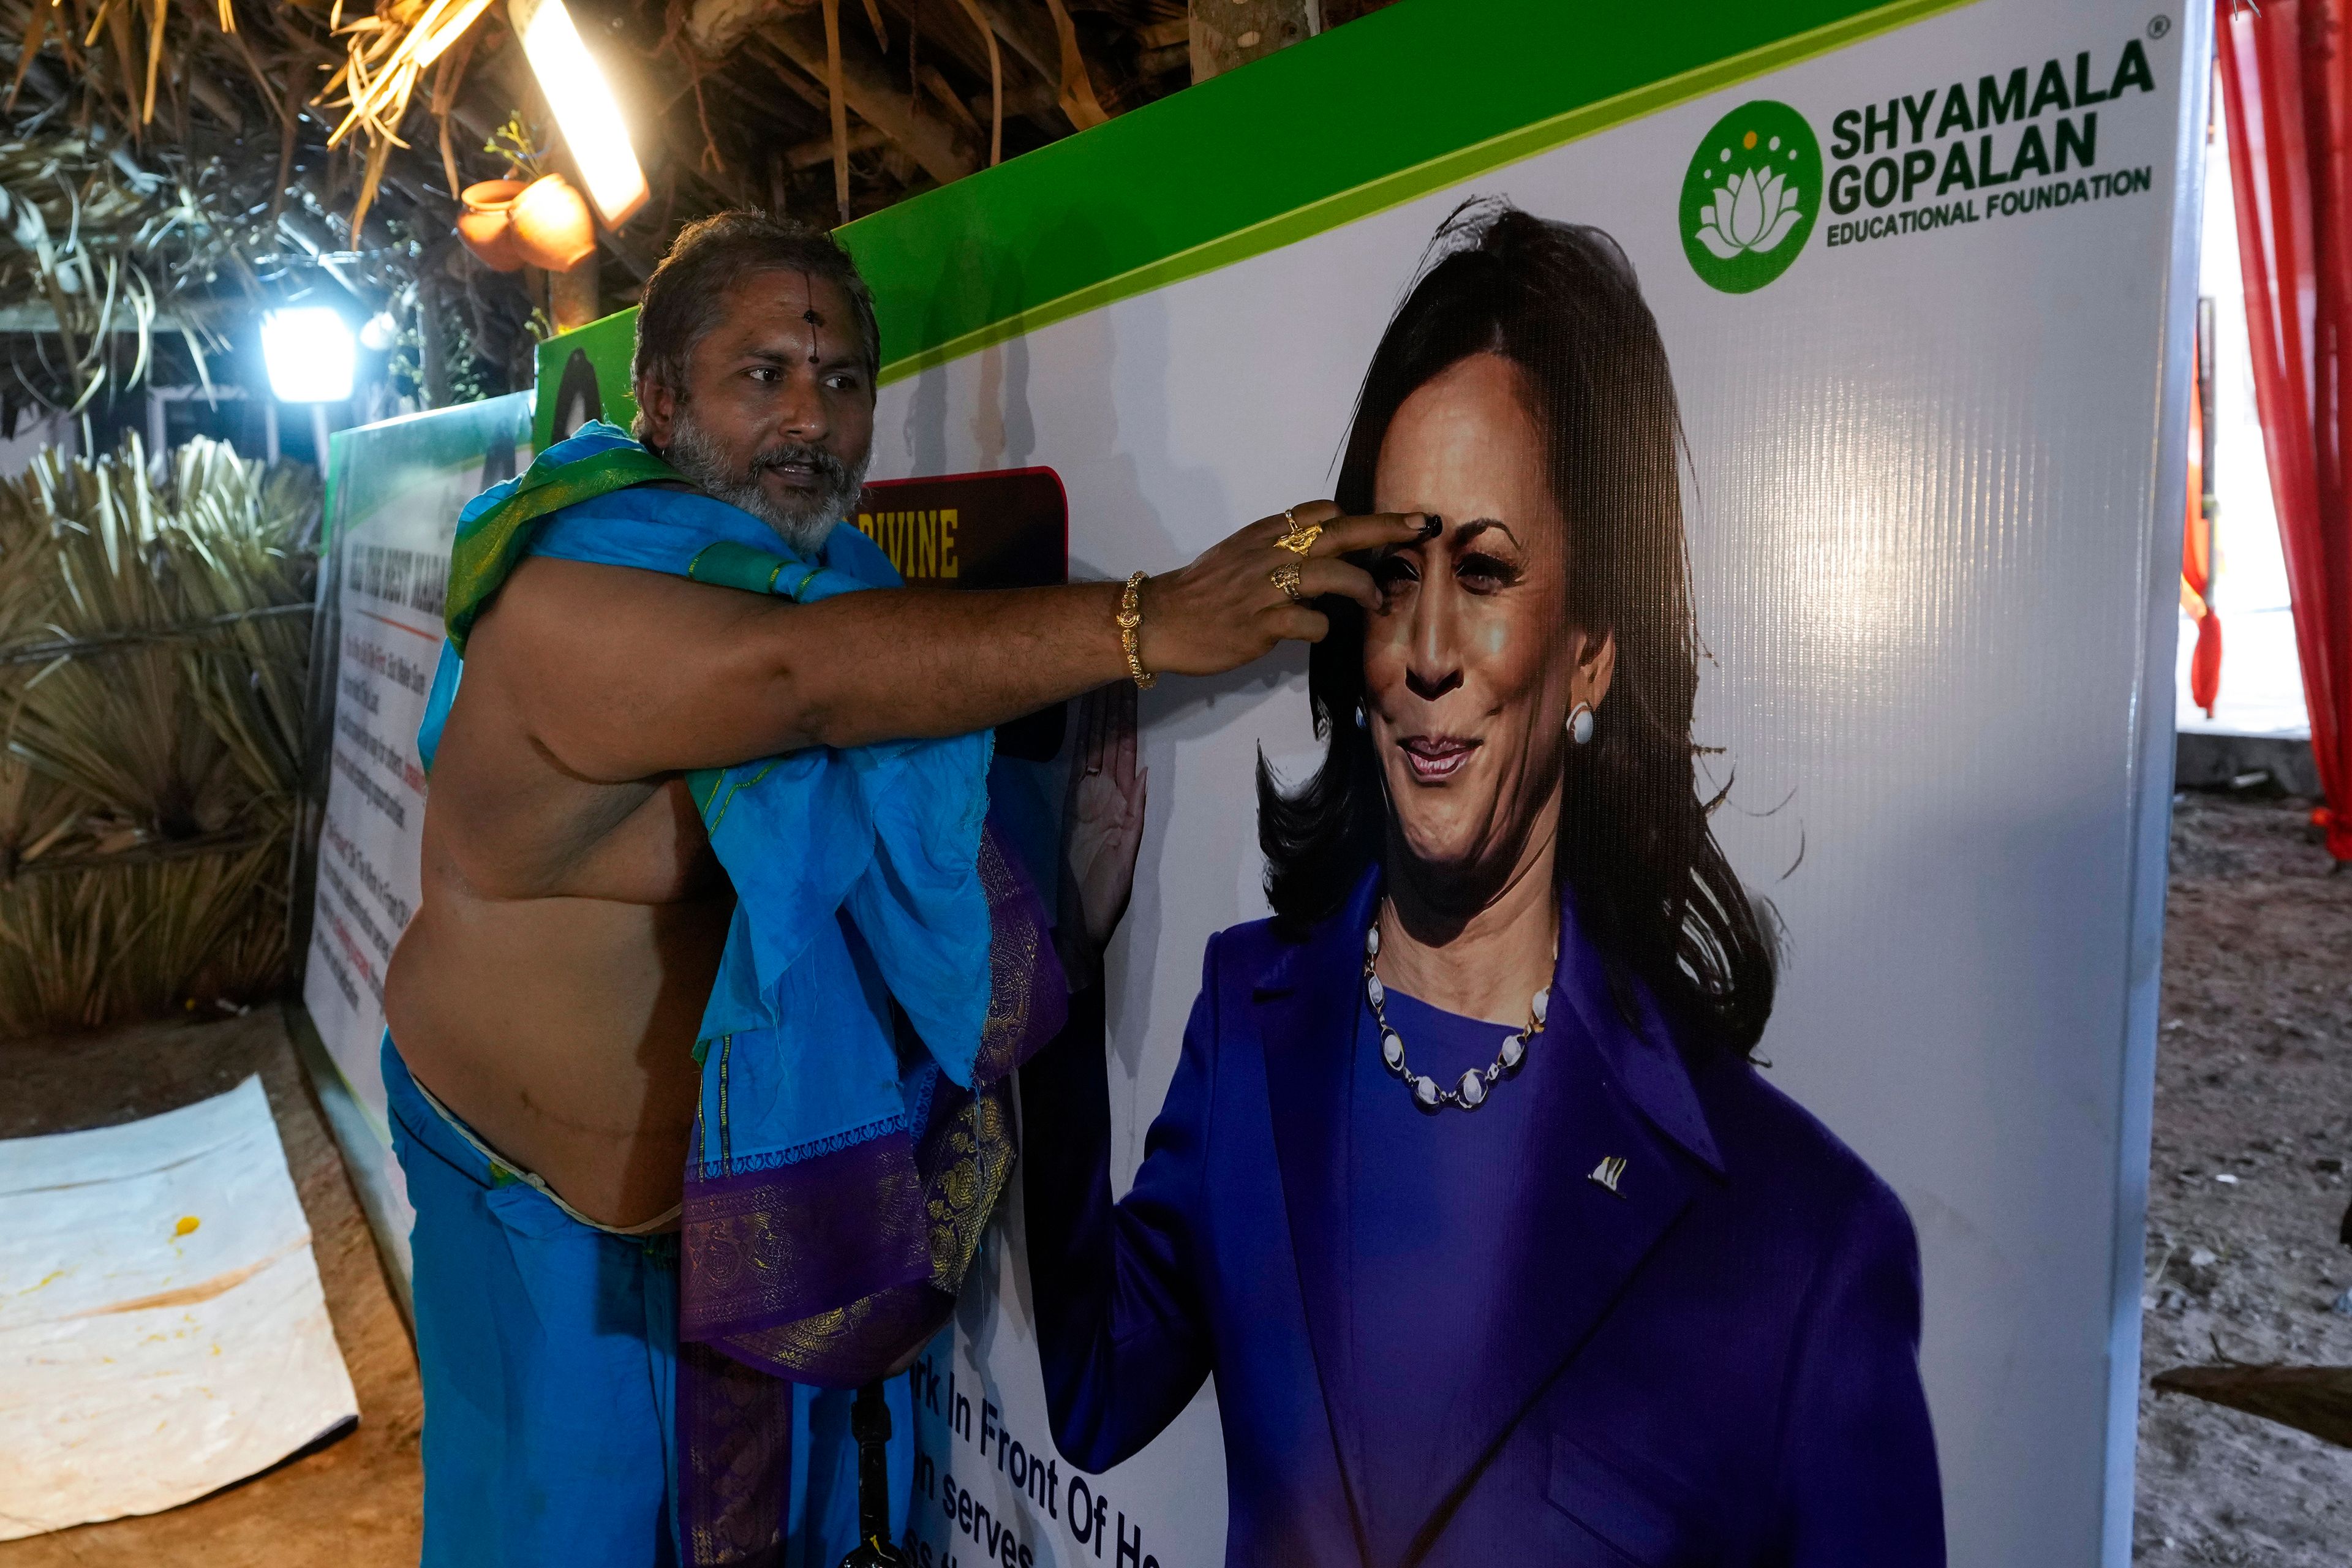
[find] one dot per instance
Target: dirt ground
(2253, 1130)
(352, 1504)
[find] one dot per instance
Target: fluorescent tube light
(585, 109)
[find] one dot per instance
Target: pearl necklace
(1470, 1093)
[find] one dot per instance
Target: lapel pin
(1605, 1174)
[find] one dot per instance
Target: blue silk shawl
(887, 967)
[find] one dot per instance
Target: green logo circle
(1750, 198)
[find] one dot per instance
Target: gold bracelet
(1129, 620)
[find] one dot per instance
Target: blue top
(1716, 1360)
(1425, 1283)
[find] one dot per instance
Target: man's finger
(1342, 578)
(1297, 623)
(1343, 535)
(1306, 513)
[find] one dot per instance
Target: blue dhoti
(549, 1348)
(886, 968)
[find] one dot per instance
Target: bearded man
(711, 919)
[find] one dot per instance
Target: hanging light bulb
(309, 353)
(585, 109)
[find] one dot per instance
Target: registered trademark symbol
(2157, 27)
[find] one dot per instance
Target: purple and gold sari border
(871, 1339)
(735, 1461)
(1029, 998)
(767, 1247)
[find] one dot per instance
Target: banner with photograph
(393, 491)
(1799, 393)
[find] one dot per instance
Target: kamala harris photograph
(1468, 1191)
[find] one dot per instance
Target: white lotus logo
(1752, 211)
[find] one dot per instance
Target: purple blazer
(1716, 1364)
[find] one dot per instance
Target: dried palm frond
(213, 159)
(385, 56)
(88, 231)
(93, 946)
(152, 661)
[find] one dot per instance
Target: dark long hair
(1652, 886)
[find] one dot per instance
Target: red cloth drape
(2286, 79)
(2197, 557)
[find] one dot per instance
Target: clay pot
(552, 225)
(486, 226)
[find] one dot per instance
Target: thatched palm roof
(184, 162)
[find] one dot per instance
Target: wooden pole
(433, 340)
(838, 106)
(571, 296)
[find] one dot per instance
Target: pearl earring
(1579, 723)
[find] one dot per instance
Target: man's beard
(803, 520)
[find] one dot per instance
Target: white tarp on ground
(161, 1329)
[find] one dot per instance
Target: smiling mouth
(1433, 759)
(800, 476)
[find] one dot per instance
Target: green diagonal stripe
(879, 242)
(1413, 99)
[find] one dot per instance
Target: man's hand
(620, 676)
(1226, 609)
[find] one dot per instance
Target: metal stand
(869, 1423)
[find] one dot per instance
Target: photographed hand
(1226, 608)
(1102, 830)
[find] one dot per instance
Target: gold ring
(1285, 578)
(1301, 536)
